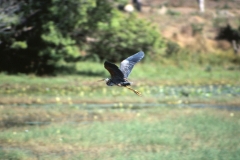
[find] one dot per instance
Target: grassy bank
(157, 83)
(175, 72)
(157, 133)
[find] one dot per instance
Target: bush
(125, 35)
(172, 48)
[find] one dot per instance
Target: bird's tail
(135, 91)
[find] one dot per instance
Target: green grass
(48, 117)
(156, 133)
(143, 73)
(152, 80)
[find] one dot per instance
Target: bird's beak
(101, 80)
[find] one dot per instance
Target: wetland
(71, 117)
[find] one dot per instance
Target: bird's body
(109, 82)
(120, 74)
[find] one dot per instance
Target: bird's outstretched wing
(114, 71)
(127, 64)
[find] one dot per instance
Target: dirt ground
(212, 4)
(181, 21)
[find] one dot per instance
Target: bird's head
(106, 79)
(108, 82)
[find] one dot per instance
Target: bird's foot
(135, 91)
(138, 93)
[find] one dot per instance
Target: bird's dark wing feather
(127, 64)
(114, 71)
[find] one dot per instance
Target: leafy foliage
(43, 36)
(124, 35)
(228, 33)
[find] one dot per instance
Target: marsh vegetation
(161, 132)
(75, 117)
(189, 80)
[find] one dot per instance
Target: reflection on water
(134, 106)
(155, 97)
(194, 96)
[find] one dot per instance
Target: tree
(201, 5)
(45, 36)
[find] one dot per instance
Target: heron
(120, 74)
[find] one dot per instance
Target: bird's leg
(135, 91)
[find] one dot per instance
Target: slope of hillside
(181, 22)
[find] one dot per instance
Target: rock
(129, 8)
(163, 10)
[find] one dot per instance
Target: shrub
(124, 35)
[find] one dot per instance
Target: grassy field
(154, 133)
(155, 73)
(50, 117)
(156, 82)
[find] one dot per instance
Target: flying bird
(120, 74)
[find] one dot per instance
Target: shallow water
(163, 96)
(134, 106)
